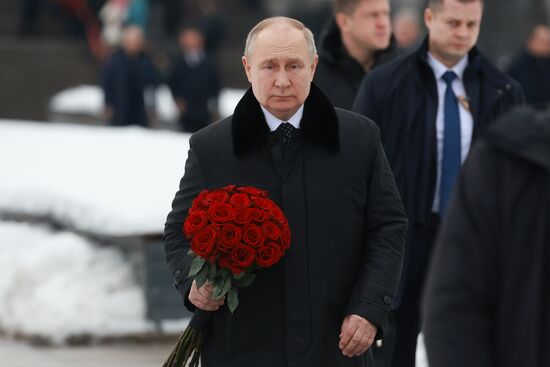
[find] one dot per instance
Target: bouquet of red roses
(233, 231)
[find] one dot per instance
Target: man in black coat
(531, 68)
(129, 82)
(323, 304)
(426, 129)
(487, 300)
(194, 81)
(354, 42)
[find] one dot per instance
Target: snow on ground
(88, 99)
(112, 181)
(56, 285)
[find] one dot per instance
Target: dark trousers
(399, 348)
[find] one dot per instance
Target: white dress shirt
(466, 119)
(274, 122)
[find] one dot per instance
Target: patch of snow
(104, 180)
(88, 99)
(57, 285)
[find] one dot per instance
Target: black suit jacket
(347, 223)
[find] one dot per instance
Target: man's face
(280, 69)
(191, 40)
(453, 29)
(369, 26)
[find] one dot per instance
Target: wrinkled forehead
(280, 41)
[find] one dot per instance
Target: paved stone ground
(18, 354)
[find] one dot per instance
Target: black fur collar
(319, 123)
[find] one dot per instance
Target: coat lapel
(319, 123)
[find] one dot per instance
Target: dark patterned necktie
(286, 131)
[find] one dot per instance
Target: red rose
(285, 237)
(203, 243)
(258, 215)
(230, 235)
(239, 200)
(195, 221)
(277, 214)
(242, 216)
(252, 235)
(229, 188)
(221, 212)
(239, 259)
(271, 230)
(252, 191)
(217, 196)
(200, 202)
(268, 255)
(262, 203)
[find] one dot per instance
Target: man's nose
(463, 31)
(282, 80)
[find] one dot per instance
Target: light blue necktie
(450, 166)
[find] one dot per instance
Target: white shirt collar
(274, 122)
(440, 69)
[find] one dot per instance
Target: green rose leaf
(202, 276)
(226, 286)
(232, 299)
(196, 266)
(245, 280)
(213, 270)
(218, 287)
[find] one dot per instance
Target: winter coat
(125, 80)
(196, 85)
(487, 300)
(347, 226)
(533, 74)
(401, 98)
(338, 74)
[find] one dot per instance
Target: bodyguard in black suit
(429, 107)
(325, 302)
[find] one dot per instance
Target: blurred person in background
(129, 82)
(356, 40)
(531, 68)
(487, 300)
(406, 29)
(113, 15)
(194, 81)
(429, 106)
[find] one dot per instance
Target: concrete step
(33, 70)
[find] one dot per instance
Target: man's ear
(246, 66)
(341, 21)
(314, 65)
(428, 16)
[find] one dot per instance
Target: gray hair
(253, 34)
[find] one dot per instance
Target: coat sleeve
(461, 290)
(176, 245)
(386, 227)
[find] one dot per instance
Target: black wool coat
(196, 85)
(533, 74)
(124, 80)
(347, 223)
(338, 74)
(487, 301)
(401, 98)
